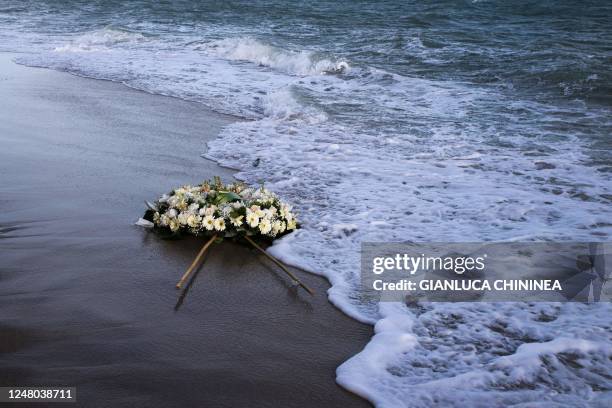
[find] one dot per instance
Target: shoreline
(87, 299)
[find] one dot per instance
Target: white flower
(174, 224)
(257, 210)
(210, 210)
(181, 204)
(172, 213)
(182, 218)
(193, 207)
(163, 220)
(252, 219)
(193, 220)
(172, 201)
(219, 224)
(202, 211)
(208, 222)
(289, 217)
(276, 227)
(247, 192)
(226, 210)
(291, 224)
(265, 226)
(156, 217)
(237, 221)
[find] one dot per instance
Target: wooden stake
(195, 261)
(277, 262)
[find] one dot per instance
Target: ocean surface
(425, 121)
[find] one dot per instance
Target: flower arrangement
(224, 210)
(218, 211)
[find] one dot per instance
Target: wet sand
(87, 299)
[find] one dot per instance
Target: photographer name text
(479, 285)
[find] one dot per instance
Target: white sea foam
(100, 40)
(485, 355)
(371, 155)
(295, 63)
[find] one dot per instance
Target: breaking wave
(293, 63)
(101, 40)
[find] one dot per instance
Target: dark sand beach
(87, 299)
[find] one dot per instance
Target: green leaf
(227, 197)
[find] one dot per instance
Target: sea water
(414, 121)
